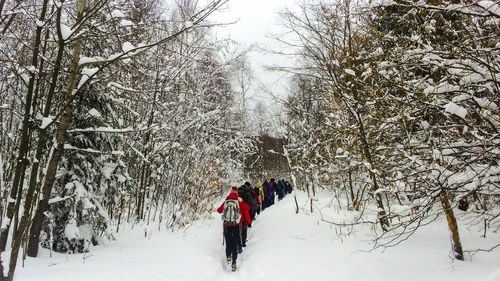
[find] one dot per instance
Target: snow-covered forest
(130, 119)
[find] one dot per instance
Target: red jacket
(244, 208)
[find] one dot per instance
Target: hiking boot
(233, 268)
(240, 250)
(228, 260)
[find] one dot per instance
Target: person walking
(260, 195)
(245, 192)
(272, 191)
(281, 184)
(289, 188)
(265, 186)
(247, 197)
(255, 195)
(232, 210)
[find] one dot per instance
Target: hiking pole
(223, 232)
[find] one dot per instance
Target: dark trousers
(232, 235)
(266, 203)
(271, 201)
(244, 231)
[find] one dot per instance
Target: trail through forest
(282, 246)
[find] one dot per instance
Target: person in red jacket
(255, 193)
(232, 233)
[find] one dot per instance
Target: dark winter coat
(265, 187)
(246, 194)
(244, 208)
(272, 186)
(282, 185)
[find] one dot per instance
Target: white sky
(255, 19)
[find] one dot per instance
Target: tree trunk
(18, 201)
(43, 133)
(57, 152)
(2, 277)
(120, 211)
(2, 3)
(1, 186)
(352, 191)
(296, 203)
(145, 191)
(382, 215)
(452, 224)
(41, 77)
(24, 139)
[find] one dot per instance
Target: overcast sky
(255, 19)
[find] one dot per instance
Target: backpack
(231, 212)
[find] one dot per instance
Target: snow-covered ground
(282, 246)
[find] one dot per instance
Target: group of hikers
(240, 208)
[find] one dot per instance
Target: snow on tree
(411, 115)
(107, 116)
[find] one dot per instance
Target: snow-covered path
(282, 246)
